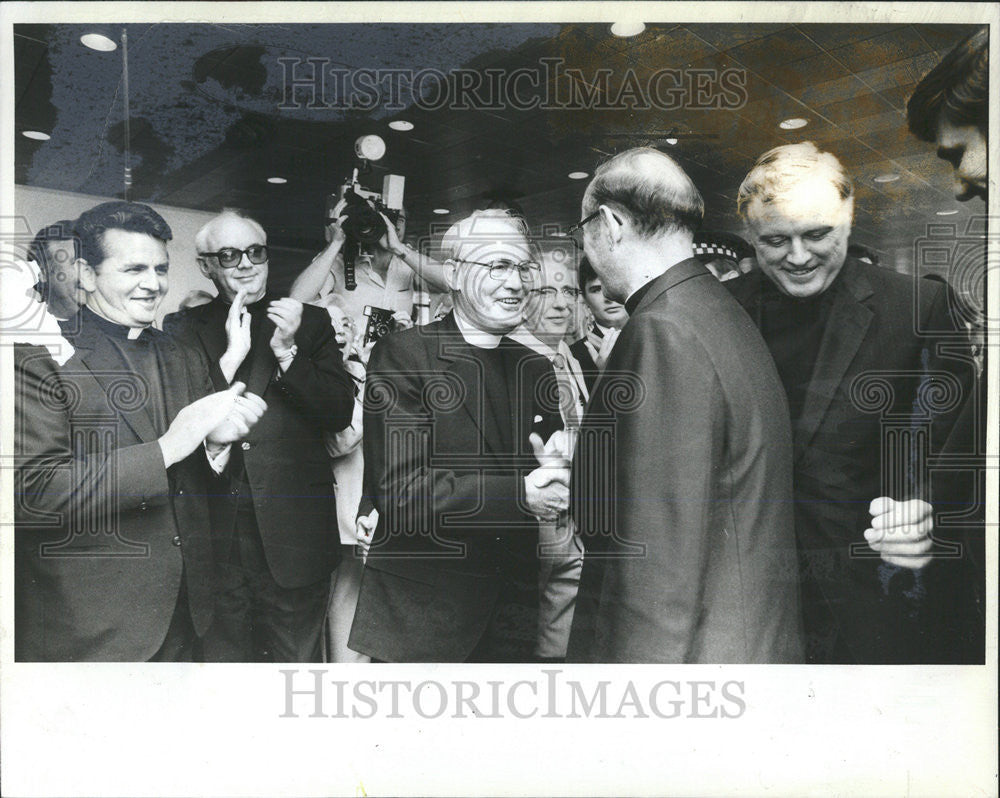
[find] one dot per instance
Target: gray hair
(781, 168)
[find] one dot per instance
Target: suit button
(245, 445)
(143, 507)
(180, 491)
(177, 540)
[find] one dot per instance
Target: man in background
(592, 351)
(56, 250)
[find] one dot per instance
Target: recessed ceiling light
(887, 178)
(578, 175)
(401, 124)
(276, 180)
(441, 211)
(671, 141)
(97, 41)
(37, 135)
(626, 29)
(793, 124)
(947, 213)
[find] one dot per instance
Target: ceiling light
(947, 213)
(887, 178)
(97, 41)
(441, 211)
(37, 135)
(401, 124)
(793, 124)
(671, 141)
(626, 29)
(276, 180)
(578, 175)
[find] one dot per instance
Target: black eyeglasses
(500, 269)
(579, 225)
(547, 291)
(230, 257)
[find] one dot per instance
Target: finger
(882, 504)
(536, 444)
(237, 388)
(886, 525)
(253, 400)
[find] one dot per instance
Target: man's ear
(205, 268)
(88, 277)
(450, 268)
(613, 224)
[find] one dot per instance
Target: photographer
(387, 273)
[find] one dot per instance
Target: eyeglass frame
(579, 225)
(568, 291)
(218, 258)
(535, 269)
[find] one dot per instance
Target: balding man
(452, 573)
(682, 472)
(863, 357)
(274, 523)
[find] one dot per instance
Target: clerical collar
(110, 328)
(636, 296)
(476, 337)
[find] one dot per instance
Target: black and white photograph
(498, 399)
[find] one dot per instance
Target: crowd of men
(737, 458)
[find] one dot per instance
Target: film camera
(380, 323)
(363, 225)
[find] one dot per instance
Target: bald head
(650, 187)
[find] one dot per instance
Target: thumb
(237, 388)
(536, 444)
(881, 505)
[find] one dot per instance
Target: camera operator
(387, 273)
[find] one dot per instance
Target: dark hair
(585, 273)
(956, 89)
(651, 188)
(58, 231)
(132, 217)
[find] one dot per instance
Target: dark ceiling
(207, 130)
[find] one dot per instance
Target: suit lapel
(176, 391)
(843, 333)
(262, 360)
(99, 355)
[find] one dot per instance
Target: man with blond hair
(861, 355)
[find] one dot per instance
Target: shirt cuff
(220, 460)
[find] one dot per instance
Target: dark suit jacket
(104, 530)
(682, 488)
(446, 452)
(875, 372)
(285, 459)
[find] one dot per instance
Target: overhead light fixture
(37, 135)
(578, 175)
(947, 213)
(441, 211)
(793, 124)
(401, 124)
(889, 177)
(671, 141)
(276, 180)
(626, 29)
(98, 41)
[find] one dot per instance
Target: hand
(546, 492)
(555, 452)
(334, 231)
(286, 313)
(390, 240)
(237, 337)
(365, 529)
(247, 411)
(195, 421)
(901, 531)
(364, 351)
(402, 320)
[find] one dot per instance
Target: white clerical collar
(602, 328)
(135, 332)
(476, 337)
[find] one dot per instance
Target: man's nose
(245, 262)
(513, 280)
(150, 281)
(797, 255)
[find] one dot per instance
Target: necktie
(569, 396)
